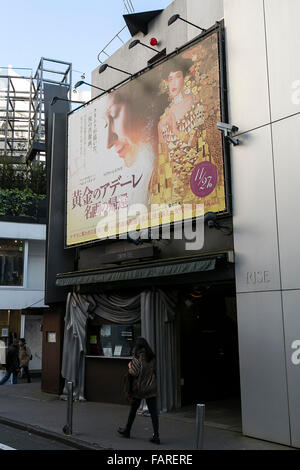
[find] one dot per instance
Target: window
(110, 340)
(11, 262)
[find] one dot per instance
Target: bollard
(200, 416)
(68, 428)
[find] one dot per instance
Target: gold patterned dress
(182, 145)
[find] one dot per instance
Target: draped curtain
(157, 312)
(74, 347)
(158, 321)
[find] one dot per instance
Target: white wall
(31, 294)
(36, 265)
(136, 59)
(22, 231)
(262, 47)
(263, 43)
(205, 13)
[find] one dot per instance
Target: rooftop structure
(22, 120)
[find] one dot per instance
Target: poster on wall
(151, 143)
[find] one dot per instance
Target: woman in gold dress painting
(177, 135)
(188, 138)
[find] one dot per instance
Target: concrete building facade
(263, 93)
(22, 305)
(263, 73)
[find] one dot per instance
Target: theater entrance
(209, 345)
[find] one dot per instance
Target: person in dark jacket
(12, 363)
(24, 358)
(142, 372)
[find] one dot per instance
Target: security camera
(210, 219)
(223, 126)
(228, 129)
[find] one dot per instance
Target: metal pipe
(68, 428)
(200, 416)
(7, 114)
(56, 61)
(70, 406)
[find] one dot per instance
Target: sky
(71, 31)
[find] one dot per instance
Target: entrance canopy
(143, 271)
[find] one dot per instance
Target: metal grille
(22, 112)
(49, 71)
(14, 115)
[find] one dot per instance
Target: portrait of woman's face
(175, 83)
(120, 133)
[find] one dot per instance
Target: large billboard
(151, 142)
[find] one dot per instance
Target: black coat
(12, 358)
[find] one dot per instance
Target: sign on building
(150, 143)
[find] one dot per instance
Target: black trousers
(151, 403)
(26, 373)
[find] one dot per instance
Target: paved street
(12, 438)
(95, 424)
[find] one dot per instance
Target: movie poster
(151, 143)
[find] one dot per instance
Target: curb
(55, 436)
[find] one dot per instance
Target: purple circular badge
(204, 179)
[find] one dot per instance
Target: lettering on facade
(296, 354)
(296, 92)
(258, 277)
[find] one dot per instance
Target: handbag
(127, 385)
(135, 367)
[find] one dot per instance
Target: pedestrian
(24, 358)
(12, 363)
(142, 380)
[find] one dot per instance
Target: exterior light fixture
(81, 82)
(178, 17)
(56, 98)
(103, 67)
(137, 41)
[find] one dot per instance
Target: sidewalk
(95, 424)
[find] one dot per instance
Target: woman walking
(142, 378)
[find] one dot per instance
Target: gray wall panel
(262, 367)
(254, 217)
(283, 41)
(136, 59)
(287, 168)
(57, 258)
(247, 66)
(291, 304)
(203, 13)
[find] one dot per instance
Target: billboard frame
(218, 28)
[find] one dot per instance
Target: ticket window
(112, 340)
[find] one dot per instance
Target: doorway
(209, 345)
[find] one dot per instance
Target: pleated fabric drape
(158, 322)
(74, 347)
(155, 309)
